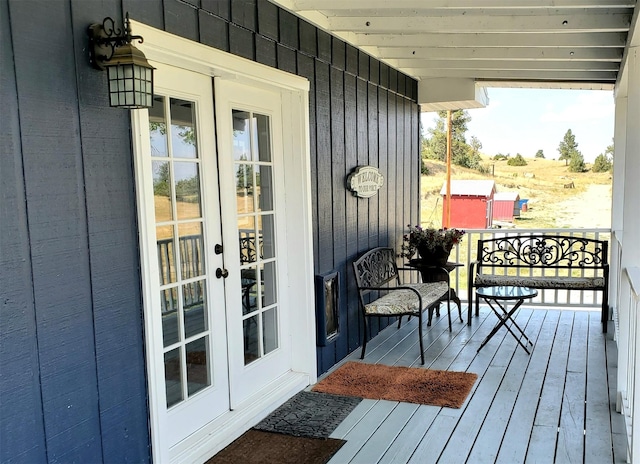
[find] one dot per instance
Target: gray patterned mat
(309, 414)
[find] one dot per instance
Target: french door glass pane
(244, 178)
(269, 277)
(247, 240)
(241, 136)
(197, 366)
(169, 310)
(173, 376)
(264, 183)
(194, 308)
(262, 137)
(251, 339)
(183, 130)
(249, 287)
(245, 187)
(187, 188)
(158, 127)
(266, 232)
(270, 330)
(162, 190)
(191, 250)
(166, 254)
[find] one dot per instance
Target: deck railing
(465, 252)
(627, 333)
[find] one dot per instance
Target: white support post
(631, 219)
(617, 197)
(631, 225)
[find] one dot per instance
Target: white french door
(213, 223)
(182, 234)
(251, 188)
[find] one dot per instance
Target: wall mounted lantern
(129, 74)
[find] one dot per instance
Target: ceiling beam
(597, 76)
(444, 39)
(505, 54)
(299, 5)
(465, 24)
(523, 84)
(510, 65)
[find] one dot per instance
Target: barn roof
(506, 196)
(475, 188)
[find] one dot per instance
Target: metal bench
(381, 293)
(542, 262)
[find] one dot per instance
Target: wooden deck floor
(555, 405)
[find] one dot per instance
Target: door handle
(222, 273)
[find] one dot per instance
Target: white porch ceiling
(507, 43)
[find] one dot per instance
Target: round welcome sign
(365, 181)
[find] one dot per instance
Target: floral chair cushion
(569, 283)
(405, 301)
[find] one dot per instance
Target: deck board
(570, 444)
(385, 435)
(523, 415)
(406, 442)
(489, 439)
(555, 405)
(358, 436)
(598, 439)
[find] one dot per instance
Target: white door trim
(184, 53)
(166, 48)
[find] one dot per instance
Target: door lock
(222, 273)
(218, 249)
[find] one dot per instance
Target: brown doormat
(257, 447)
(408, 384)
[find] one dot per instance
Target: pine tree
(462, 154)
(568, 147)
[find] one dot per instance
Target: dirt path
(591, 209)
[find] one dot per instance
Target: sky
(527, 120)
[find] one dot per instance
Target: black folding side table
(500, 296)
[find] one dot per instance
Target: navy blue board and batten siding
(21, 420)
(72, 366)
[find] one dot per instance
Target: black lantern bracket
(105, 38)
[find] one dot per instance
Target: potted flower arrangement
(433, 245)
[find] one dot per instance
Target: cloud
(587, 106)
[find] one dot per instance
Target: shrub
(577, 163)
(485, 169)
(602, 163)
(517, 160)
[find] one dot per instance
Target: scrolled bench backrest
(376, 267)
(543, 251)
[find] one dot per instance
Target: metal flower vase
(437, 256)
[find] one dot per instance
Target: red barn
(471, 203)
(506, 206)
